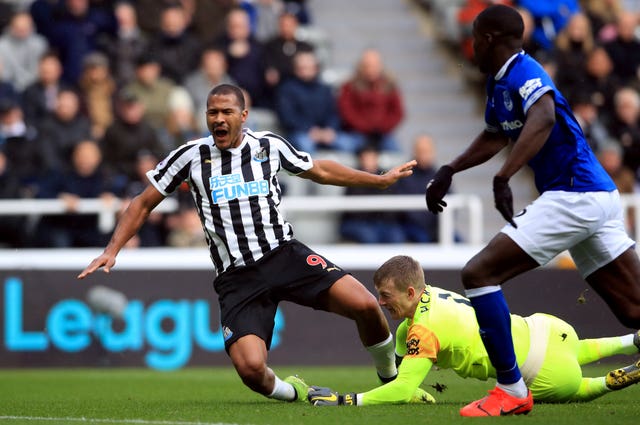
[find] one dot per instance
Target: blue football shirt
(566, 161)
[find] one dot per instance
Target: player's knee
(366, 307)
(471, 276)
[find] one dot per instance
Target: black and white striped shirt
(236, 192)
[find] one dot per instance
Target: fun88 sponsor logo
(231, 186)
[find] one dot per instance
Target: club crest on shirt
(226, 333)
(508, 103)
(260, 154)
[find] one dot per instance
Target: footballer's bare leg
(618, 283)
(249, 357)
(501, 260)
(350, 298)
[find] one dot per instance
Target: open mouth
(220, 132)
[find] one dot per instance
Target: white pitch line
(109, 421)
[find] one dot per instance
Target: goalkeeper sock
(384, 358)
(591, 388)
(494, 321)
(590, 350)
(282, 391)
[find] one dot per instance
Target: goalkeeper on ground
(440, 328)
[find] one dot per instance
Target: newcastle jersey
(236, 192)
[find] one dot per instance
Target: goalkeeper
(440, 328)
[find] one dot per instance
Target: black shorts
(249, 295)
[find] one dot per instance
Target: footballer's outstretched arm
(484, 147)
(411, 374)
(128, 225)
(325, 171)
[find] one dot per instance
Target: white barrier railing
(107, 210)
(471, 203)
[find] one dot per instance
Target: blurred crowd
(93, 93)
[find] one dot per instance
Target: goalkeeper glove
(503, 198)
(437, 187)
(322, 396)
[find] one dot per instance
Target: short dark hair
(229, 89)
(501, 20)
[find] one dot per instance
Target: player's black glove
(437, 187)
(503, 198)
(322, 396)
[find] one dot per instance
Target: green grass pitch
(216, 396)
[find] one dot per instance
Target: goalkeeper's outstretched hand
(323, 396)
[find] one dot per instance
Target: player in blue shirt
(578, 208)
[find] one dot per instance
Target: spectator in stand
(465, 16)
(550, 17)
(175, 48)
(600, 82)
(125, 46)
(39, 98)
(268, 13)
(86, 179)
(244, 55)
(611, 158)
(418, 226)
(20, 50)
(624, 49)
(212, 72)
(572, 48)
(153, 232)
(370, 104)
(370, 227)
(587, 114)
(182, 124)
(307, 109)
(97, 88)
(18, 141)
(625, 126)
(150, 12)
(7, 90)
(75, 32)
(300, 9)
(186, 229)
(62, 130)
(280, 50)
(128, 136)
(152, 89)
(528, 45)
(12, 228)
(209, 17)
(603, 15)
